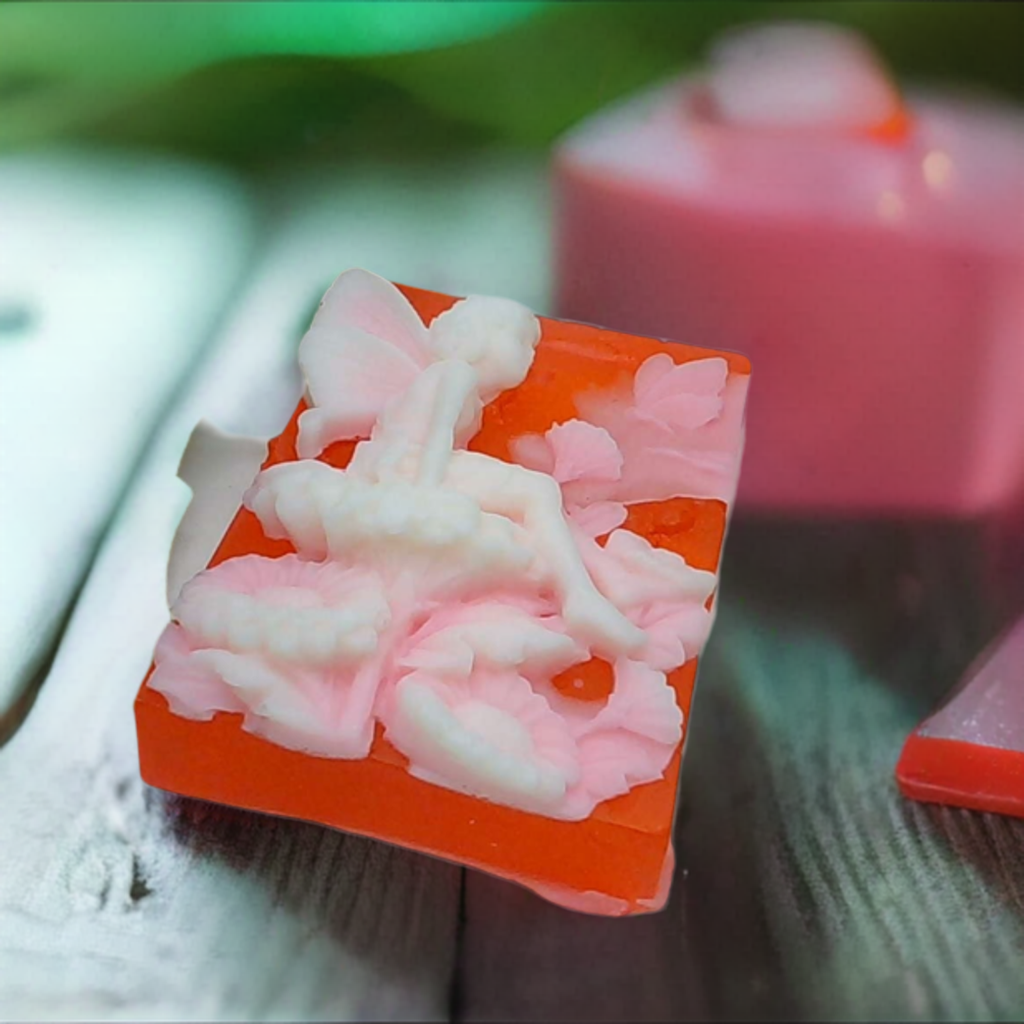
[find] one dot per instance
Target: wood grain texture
(119, 902)
(807, 888)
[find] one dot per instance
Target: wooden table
(806, 887)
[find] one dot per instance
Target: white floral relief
(439, 591)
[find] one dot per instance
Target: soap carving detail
(439, 591)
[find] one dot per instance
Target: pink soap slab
(970, 753)
(878, 285)
(989, 708)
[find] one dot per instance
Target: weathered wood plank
(113, 272)
(807, 888)
(119, 902)
(878, 908)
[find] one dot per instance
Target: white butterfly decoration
(367, 345)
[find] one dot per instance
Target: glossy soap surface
(615, 860)
(872, 271)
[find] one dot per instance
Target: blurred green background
(249, 83)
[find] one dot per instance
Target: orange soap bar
(460, 607)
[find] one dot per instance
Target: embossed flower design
(490, 735)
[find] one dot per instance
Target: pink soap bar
(970, 753)
(866, 252)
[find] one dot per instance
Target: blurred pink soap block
(865, 250)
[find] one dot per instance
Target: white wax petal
(799, 75)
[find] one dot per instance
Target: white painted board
(114, 270)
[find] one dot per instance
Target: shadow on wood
(376, 900)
